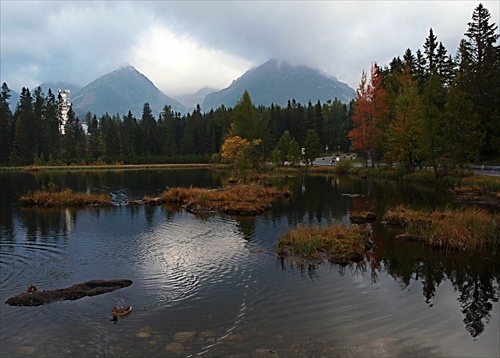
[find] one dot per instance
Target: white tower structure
(64, 105)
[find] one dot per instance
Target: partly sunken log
(34, 297)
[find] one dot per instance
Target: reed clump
(468, 228)
(473, 190)
(337, 243)
(243, 199)
(64, 198)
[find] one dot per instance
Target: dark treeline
(426, 107)
(33, 135)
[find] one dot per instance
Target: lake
(213, 286)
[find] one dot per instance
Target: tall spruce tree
(432, 143)
(430, 50)
(128, 135)
(24, 137)
(149, 133)
(6, 124)
(244, 118)
(312, 146)
(480, 77)
(51, 135)
(94, 138)
(170, 142)
(38, 120)
(462, 128)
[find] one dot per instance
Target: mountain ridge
(120, 91)
(273, 82)
(277, 82)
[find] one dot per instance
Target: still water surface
(213, 286)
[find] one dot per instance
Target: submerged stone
(174, 347)
(143, 335)
(184, 336)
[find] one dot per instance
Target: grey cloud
(79, 41)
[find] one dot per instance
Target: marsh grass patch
(469, 228)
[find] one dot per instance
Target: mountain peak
(276, 82)
(122, 90)
(127, 66)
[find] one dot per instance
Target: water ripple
(184, 258)
(16, 258)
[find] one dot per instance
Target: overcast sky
(184, 46)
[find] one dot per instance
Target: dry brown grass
(64, 198)
(239, 199)
(337, 243)
(473, 190)
(469, 228)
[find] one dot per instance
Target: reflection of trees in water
(311, 270)
(432, 274)
(316, 201)
(41, 223)
(305, 269)
(473, 277)
(477, 292)
(247, 225)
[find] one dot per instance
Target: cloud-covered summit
(187, 45)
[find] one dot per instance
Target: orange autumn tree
(370, 113)
(232, 147)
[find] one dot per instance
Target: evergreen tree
(462, 128)
(169, 142)
(294, 152)
(432, 145)
(480, 77)
(69, 138)
(263, 130)
(94, 139)
(405, 131)
(420, 69)
(38, 119)
(280, 153)
(149, 133)
(188, 142)
(51, 135)
(445, 66)
(319, 120)
(6, 124)
(244, 119)
(80, 140)
(128, 135)
(410, 61)
(24, 137)
(112, 141)
(312, 145)
(430, 50)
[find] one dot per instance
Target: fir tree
(6, 124)
(24, 137)
(480, 77)
(244, 119)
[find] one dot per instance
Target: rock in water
(79, 290)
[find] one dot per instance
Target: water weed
(337, 243)
(469, 228)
